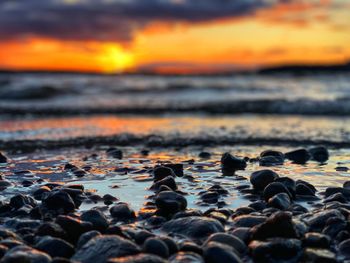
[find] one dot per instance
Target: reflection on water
(108, 175)
(298, 128)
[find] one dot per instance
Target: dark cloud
(109, 19)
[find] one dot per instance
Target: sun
(114, 59)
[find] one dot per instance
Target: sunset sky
(171, 36)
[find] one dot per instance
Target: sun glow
(114, 59)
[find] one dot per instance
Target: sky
(171, 36)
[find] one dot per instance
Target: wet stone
(229, 240)
(25, 254)
(161, 172)
(279, 224)
(260, 179)
(317, 240)
(169, 202)
(230, 162)
(96, 218)
(276, 250)
(275, 188)
(122, 212)
(272, 153)
(315, 255)
(319, 154)
(304, 190)
(140, 258)
(115, 153)
(189, 246)
(248, 220)
(55, 247)
(168, 181)
(300, 156)
(197, 228)
(280, 201)
(218, 252)
(101, 248)
(59, 200)
(86, 237)
(186, 257)
(270, 161)
(204, 155)
(156, 246)
(3, 158)
(20, 200)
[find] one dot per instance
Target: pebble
(230, 240)
(3, 158)
(140, 258)
(230, 162)
(55, 247)
(300, 156)
(122, 212)
(280, 201)
(260, 179)
(169, 202)
(319, 154)
(275, 188)
(156, 246)
(101, 248)
(217, 252)
(96, 218)
(197, 228)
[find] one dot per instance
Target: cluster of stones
(46, 226)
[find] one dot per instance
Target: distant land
(283, 69)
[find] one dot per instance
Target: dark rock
(3, 250)
(278, 225)
(300, 156)
(270, 161)
(3, 158)
(210, 197)
(334, 226)
(50, 229)
(338, 197)
(41, 192)
(319, 154)
(289, 183)
(86, 237)
(171, 244)
(122, 212)
(101, 248)
(243, 233)
(344, 249)
(204, 155)
(115, 153)
(96, 218)
(169, 202)
(109, 199)
(59, 200)
(260, 179)
(161, 172)
(316, 240)
(334, 190)
(280, 201)
(346, 185)
(318, 220)
(258, 205)
(73, 227)
(178, 168)
(193, 227)
(275, 188)
(27, 183)
(140, 258)
(248, 220)
(55, 247)
(230, 162)
(276, 250)
(168, 181)
(316, 255)
(272, 153)
(229, 240)
(186, 257)
(20, 200)
(304, 190)
(156, 246)
(4, 184)
(25, 254)
(189, 246)
(217, 252)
